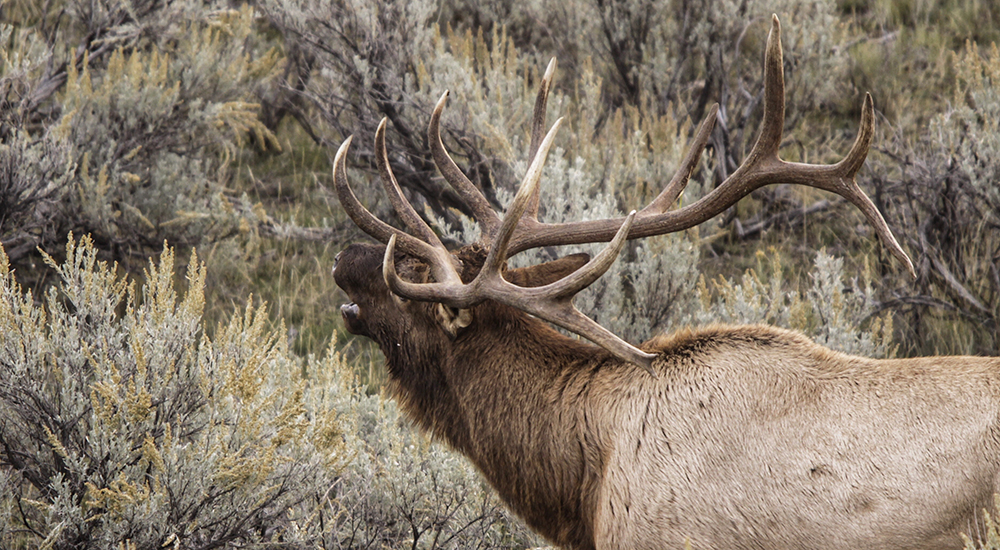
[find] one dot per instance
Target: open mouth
(351, 314)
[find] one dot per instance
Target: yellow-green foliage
(156, 130)
(942, 180)
(836, 311)
(121, 414)
(122, 424)
(147, 122)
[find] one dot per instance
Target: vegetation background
(172, 369)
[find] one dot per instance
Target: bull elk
(725, 436)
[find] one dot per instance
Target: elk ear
(548, 272)
(452, 319)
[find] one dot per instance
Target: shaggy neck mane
(496, 398)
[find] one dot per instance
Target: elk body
(726, 436)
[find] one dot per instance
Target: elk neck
(497, 393)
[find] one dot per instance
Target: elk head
(454, 282)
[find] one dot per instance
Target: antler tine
(449, 291)
(357, 212)
(772, 126)
(554, 302)
(541, 105)
(666, 198)
(538, 126)
(528, 190)
(399, 203)
(488, 219)
(847, 185)
(441, 261)
(593, 269)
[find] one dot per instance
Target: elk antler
(552, 302)
(520, 229)
(761, 167)
(488, 220)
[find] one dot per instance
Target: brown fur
(749, 437)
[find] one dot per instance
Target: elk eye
(333, 270)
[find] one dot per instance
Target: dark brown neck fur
(496, 398)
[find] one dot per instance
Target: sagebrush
(123, 425)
